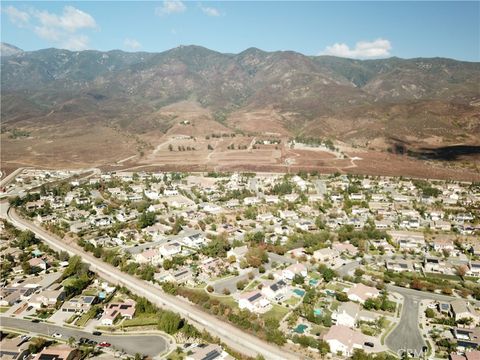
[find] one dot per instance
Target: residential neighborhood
(319, 265)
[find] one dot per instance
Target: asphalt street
(232, 336)
(406, 336)
(151, 345)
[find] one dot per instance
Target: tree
(429, 313)
(169, 322)
(26, 239)
(341, 296)
(298, 279)
(256, 256)
(147, 218)
(328, 274)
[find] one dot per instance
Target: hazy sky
(350, 29)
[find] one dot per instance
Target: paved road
(406, 336)
(347, 268)
(423, 295)
(152, 345)
(232, 336)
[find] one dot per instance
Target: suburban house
(46, 298)
(151, 256)
(79, 303)
(344, 340)
(408, 240)
(207, 352)
(434, 265)
(346, 314)
(325, 255)
(112, 311)
(345, 248)
(276, 290)
(59, 352)
(170, 250)
(443, 245)
(462, 310)
(14, 348)
(361, 293)
(294, 269)
(399, 265)
(254, 301)
(469, 355)
(467, 338)
(238, 253)
(474, 268)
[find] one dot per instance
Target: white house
(344, 340)
(294, 269)
(254, 301)
(361, 293)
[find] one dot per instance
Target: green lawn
(83, 320)
(3, 309)
(90, 292)
(277, 312)
(252, 285)
(293, 301)
(227, 300)
(142, 320)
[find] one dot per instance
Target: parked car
(104, 344)
(35, 320)
(96, 333)
(57, 335)
(369, 344)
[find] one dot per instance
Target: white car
(57, 335)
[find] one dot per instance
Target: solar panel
(212, 355)
(254, 297)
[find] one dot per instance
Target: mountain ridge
(359, 101)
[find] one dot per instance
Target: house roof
(473, 355)
(350, 308)
(363, 292)
(344, 335)
(459, 306)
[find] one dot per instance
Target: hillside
(374, 103)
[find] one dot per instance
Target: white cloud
(75, 43)
(17, 17)
(132, 44)
(62, 30)
(170, 7)
(71, 20)
(47, 33)
(210, 11)
(363, 49)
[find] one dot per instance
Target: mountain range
(422, 101)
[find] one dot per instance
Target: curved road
(229, 334)
(151, 345)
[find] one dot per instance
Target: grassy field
(277, 312)
(3, 309)
(142, 320)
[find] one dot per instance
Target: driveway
(151, 345)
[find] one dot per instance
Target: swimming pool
(299, 292)
(300, 329)
(317, 312)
